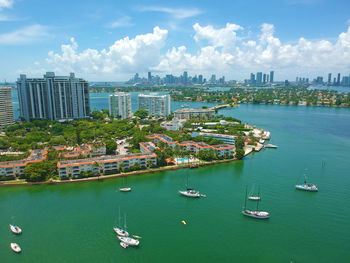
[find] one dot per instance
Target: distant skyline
(111, 41)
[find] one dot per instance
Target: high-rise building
(185, 76)
(213, 79)
(158, 105)
(149, 77)
(264, 78)
(259, 78)
(329, 78)
(267, 78)
(53, 97)
(200, 79)
(271, 76)
(252, 78)
(120, 105)
(338, 79)
(6, 108)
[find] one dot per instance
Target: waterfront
(73, 222)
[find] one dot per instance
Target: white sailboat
(15, 229)
(252, 197)
(15, 247)
(254, 214)
(307, 186)
(189, 192)
(124, 189)
(129, 241)
(119, 230)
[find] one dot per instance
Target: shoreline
(103, 177)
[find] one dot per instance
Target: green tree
(142, 114)
(239, 142)
(111, 146)
(239, 154)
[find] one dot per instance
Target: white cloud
(224, 52)
(124, 21)
(179, 13)
(6, 4)
(124, 56)
(25, 35)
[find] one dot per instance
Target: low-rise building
(221, 150)
(199, 114)
(174, 125)
(105, 164)
(229, 139)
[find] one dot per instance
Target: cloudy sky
(112, 39)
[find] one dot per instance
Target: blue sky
(115, 39)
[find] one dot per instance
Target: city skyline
(101, 44)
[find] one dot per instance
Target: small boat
(15, 229)
(138, 237)
(270, 146)
(125, 189)
(252, 197)
(123, 245)
(306, 186)
(190, 193)
(15, 247)
(184, 222)
(129, 241)
(254, 214)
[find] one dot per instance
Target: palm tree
(96, 164)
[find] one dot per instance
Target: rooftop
(193, 110)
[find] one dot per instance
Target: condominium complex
(120, 105)
(199, 114)
(158, 105)
(221, 149)
(53, 97)
(6, 109)
(225, 138)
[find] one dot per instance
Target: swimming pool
(182, 160)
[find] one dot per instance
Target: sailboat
(15, 247)
(306, 186)
(254, 198)
(189, 192)
(121, 231)
(255, 214)
(124, 189)
(15, 229)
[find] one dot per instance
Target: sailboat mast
(125, 221)
(119, 217)
(257, 203)
(245, 199)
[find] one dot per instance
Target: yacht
(121, 232)
(15, 229)
(306, 186)
(190, 193)
(129, 241)
(15, 247)
(254, 198)
(125, 189)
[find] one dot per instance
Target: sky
(111, 40)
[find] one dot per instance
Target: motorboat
(15, 229)
(123, 245)
(254, 198)
(138, 237)
(272, 146)
(121, 232)
(190, 193)
(125, 189)
(129, 241)
(15, 247)
(256, 214)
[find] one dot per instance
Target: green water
(73, 222)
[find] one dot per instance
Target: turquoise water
(182, 159)
(73, 222)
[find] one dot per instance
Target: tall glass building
(53, 97)
(6, 108)
(120, 105)
(158, 105)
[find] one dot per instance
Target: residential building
(53, 97)
(158, 105)
(174, 125)
(120, 105)
(221, 149)
(227, 139)
(200, 114)
(105, 164)
(6, 108)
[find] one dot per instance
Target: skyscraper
(252, 78)
(53, 97)
(6, 108)
(120, 105)
(259, 78)
(271, 76)
(264, 78)
(149, 77)
(338, 79)
(329, 78)
(185, 77)
(158, 105)
(200, 79)
(213, 79)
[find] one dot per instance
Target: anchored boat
(189, 192)
(15, 247)
(15, 229)
(122, 244)
(307, 186)
(129, 241)
(119, 230)
(270, 146)
(252, 197)
(125, 188)
(254, 214)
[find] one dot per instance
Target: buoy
(184, 222)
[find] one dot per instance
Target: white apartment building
(158, 105)
(120, 105)
(6, 108)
